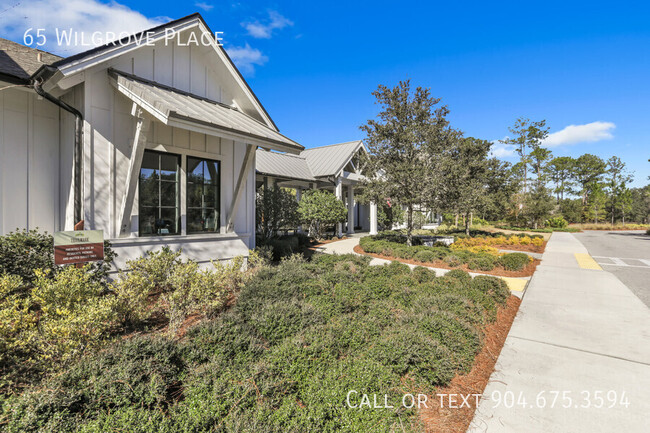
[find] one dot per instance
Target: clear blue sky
(571, 63)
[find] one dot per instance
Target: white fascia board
(119, 49)
(238, 79)
(218, 132)
(157, 114)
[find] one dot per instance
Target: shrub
(557, 222)
(484, 262)
(283, 358)
(140, 373)
(494, 287)
(275, 208)
(148, 276)
(514, 261)
(425, 256)
(57, 320)
(320, 209)
(453, 260)
(460, 275)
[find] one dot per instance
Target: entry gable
(183, 54)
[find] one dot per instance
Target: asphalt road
(626, 254)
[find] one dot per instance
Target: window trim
(187, 207)
(179, 215)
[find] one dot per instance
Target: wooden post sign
(79, 246)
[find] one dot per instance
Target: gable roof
(330, 160)
(79, 61)
(175, 107)
(282, 165)
(19, 62)
(311, 164)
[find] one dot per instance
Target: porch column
(339, 195)
(298, 197)
(350, 210)
(373, 218)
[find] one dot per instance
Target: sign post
(79, 246)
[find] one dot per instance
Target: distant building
(334, 168)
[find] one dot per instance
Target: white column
(373, 218)
(298, 197)
(339, 195)
(350, 210)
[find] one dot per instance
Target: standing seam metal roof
(329, 160)
(164, 101)
(282, 165)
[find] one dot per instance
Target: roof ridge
(332, 145)
(283, 154)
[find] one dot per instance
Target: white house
(334, 167)
(153, 142)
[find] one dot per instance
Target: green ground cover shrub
(474, 257)
(514, 261)
(301, 336)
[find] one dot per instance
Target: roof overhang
(180, 109)
(69, 71)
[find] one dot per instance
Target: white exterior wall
(29, 162)
(108, 137)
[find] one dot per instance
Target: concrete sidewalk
(581, 332)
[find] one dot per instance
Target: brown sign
(79, 246)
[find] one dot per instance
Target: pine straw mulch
(457, 420)
(524, 248)
(497, 272)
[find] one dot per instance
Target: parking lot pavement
(626, 254)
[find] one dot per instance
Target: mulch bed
(524, 248)
(498, 272)
(457, 420)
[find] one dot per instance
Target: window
(203, 201)
(159, 194)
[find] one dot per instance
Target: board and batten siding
(30, 164)
(108, 138)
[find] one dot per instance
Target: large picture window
(203, 202)
(159, 194)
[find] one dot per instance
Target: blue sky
(314, 65)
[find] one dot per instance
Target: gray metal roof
(317, 162)
(282, 165)
(175, 107)
(329, 160)
(21, 62)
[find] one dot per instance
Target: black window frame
(217, 198)
(160, 206)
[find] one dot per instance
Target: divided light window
(159, 204)
(203, 202)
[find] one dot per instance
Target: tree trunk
(467, 226)
(456, 223)
(471, 219)
(409, 226)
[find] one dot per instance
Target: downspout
(78, 143)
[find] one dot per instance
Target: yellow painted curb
(585, 261)
(515, 284)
